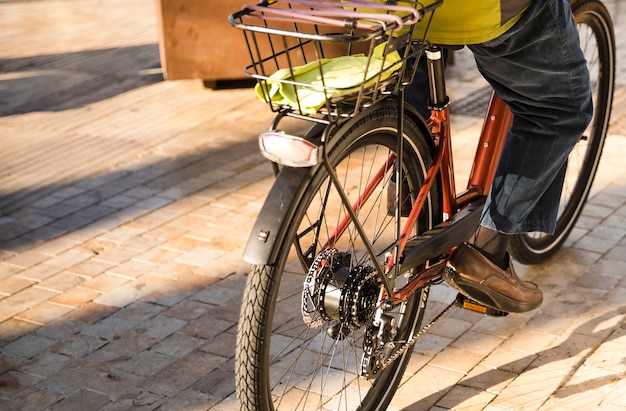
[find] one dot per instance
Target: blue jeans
(539, 70)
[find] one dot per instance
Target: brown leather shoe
(475, 276)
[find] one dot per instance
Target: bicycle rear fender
(277, 208)
(282, 200)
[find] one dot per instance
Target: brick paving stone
(530, 390)
(34, 399)
(488, 379)
(199, 363)
(121, 234)
(222, 344)
(178, 345)
(528, 341)
(137, 400)
(466, 399)
(165, 232)
(79, 345)
(456, 360)
(617, 396)
(508, 360)
(70, 258)
(45, 364)
(146, 222)
(207, 327)
(100, 361)
(219, 295)
(61, 209)
(450, 327)
(477, 342)
(7, 310)
(7, 362)
(61, 282)
(586, 389)
(11, 230)
(113, 383)
(424, 389)
(502, 327)
(120, 201)
(147, 363)
(157, 256)
(184, 243)
(431, 344)
(114, 255)
(609, 355)
(609, 266)
(131, 269)
(60, 328)
(104, 282)
(91, 312)
(110, 328)
(139, 311)
(169, 382)
(219, 383)
(27, 346)
(32, 219)
(174, 271)
(200, 256)
(131, 343)
(188, 309)
(27, 259)
(82, 400)
(55, 246)
(44, 313)
(14, 284)
(6, 270)
(72, 222)
(188, 400)
(29, 297)
(141, 287)
(75, 297)
(15, 328)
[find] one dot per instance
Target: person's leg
(538, 69)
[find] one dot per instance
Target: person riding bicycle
(528, 50)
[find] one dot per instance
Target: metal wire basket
(328, 58)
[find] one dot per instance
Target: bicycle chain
(417, 336)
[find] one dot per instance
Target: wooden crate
(196, 40)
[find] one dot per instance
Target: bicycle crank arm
(443, 237)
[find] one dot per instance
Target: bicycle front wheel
(302, 347)
(597, 41)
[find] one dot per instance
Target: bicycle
(343, 256)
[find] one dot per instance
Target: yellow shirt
(459, 22)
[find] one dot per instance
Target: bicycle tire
(283, 363)
(598, 43)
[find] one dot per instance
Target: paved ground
(125, 201)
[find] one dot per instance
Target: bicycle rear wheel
(301, 348)
(598, 44)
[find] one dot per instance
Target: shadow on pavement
(64, 81)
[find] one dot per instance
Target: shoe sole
(485, 295)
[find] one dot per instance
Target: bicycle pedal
(469, 304)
